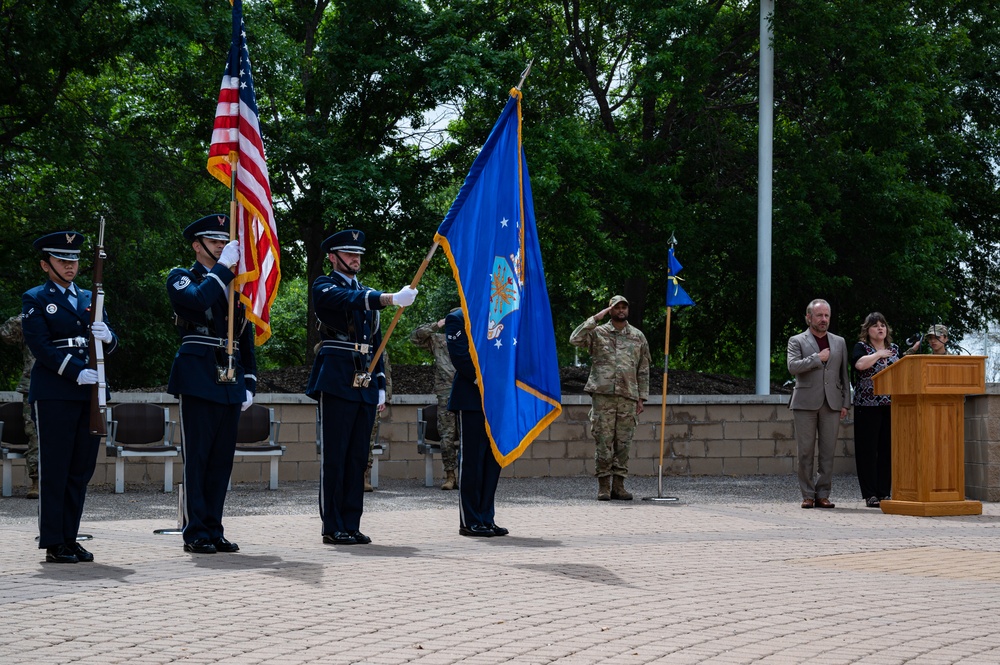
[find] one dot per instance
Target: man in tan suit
(818, 361)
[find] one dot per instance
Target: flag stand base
(178, 530)
(659, 498)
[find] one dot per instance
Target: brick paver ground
(707, 581)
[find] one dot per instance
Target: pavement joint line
(737, 573)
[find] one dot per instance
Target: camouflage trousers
(613, 420)
(448, 430)
(31, 456)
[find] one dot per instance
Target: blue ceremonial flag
(676, 296)
(490, 238)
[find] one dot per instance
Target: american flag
(236, 139)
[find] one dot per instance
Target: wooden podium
(928, 432)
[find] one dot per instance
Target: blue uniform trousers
(67, 454)
(346, 431)
(208, 444)
(478, 471)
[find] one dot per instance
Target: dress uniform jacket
(57, 334)
(199, 297)
(351, 335)
(465, 395)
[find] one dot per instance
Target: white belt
(204, 340)
(71, 343)
(347, 346)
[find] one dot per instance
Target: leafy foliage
(639, 121)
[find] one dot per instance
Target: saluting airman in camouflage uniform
(618, 387)
(428, 337)
(11, 333)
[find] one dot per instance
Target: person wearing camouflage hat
(618, 386)
(937, 339)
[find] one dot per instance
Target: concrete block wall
(982, 445)
(704, 435)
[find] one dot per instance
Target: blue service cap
(214, 227)
(349, 240)
(63, 245)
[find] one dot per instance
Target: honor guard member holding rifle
(210, 398)
(348, 322)
(56, 317)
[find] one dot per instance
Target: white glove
(248, 402)
(404, 297)
(230, 254)
(87, 377)
(101, 331)
(381, 397)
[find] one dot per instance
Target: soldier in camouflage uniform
(618, 387)
(428, 337)
(11, 333)
(378, 419)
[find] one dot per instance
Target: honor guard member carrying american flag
(210, 404)
(55, 319)
(348, 396)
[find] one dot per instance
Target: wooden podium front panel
(942, 448)
(928, 448)
(905, 457)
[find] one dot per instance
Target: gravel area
(300, 498)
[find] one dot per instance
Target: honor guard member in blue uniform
(55, 320)
(349, 327)
(478, 469)
(210, 403)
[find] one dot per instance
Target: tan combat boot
(618, 492)
(33, 490)
(450, 481)
(604, 488)
(368, 481)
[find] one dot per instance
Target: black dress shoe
(498, 530)
(200, 546)
(60, 554)
(339, 538)
(82, 555)
(476, 530)
(223, 545)
(360, 538)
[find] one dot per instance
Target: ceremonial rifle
(99, 392)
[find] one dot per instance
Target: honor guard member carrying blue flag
(479, 471)
(210, 403)
(55, 320)
(348, 322)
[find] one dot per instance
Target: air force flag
(490, 238)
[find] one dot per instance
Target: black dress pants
(873, 449)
